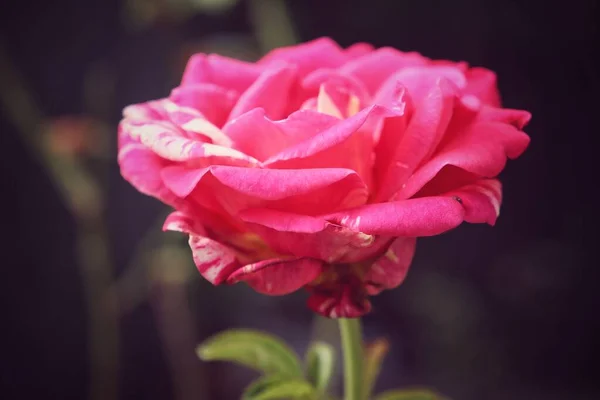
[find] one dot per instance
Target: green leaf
(374, 354)
(252, 349)
(274, 387)
(415, 394)
(320, 361)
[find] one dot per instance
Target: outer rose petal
(423, 133)
(214, 102)
(480, 200)
(141, 167)
(390, 269)
(343, 298)
(305, 236)
(270, 92)
(225, 72)
(426, 216)
(480, 148)
(482, 84)
(278, 277)
(309, 56)
(374, 68)
(214, 261)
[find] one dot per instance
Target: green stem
(353, 358)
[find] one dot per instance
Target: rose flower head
(318, 166)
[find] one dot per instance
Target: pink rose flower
(318, 167)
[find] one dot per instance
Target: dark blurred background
(97, 303)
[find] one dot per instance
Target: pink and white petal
(141, 168)
(305, 236)
(482, 83)
(375, 67)
(179, 221)
(215, 261)
(270, 91)
(258, 136)
(225, 72)
(167, 142)
(420, 139)
(213, 102)
(345, 297)
(480, 200)
(425, 216)
(391, 268)
(309, 56)
(277, 277)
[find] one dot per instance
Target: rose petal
(305, 236)
(141, 168)
(348, 144)
(426, 216)
(260, 137)
(309, 56)
(215, 261)
(214, 102)
(278, 277)
(423, 133)
(225, 72)
(343, 297)
(480, 200)
(391, 268)
(482, 84)
(374, 68)
(270, 91)
(480, 148)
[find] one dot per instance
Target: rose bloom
(318, 166)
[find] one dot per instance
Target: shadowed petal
(278, 277)
(390, 269)
(305, 236)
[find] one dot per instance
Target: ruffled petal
(375, 67)
(482, 83)
(391, 268)
(222, 71)
(480, 200)
(278, 277)
(420, 139)
(214, 261)
(141, 168)
(309, 56)
(342, 297)
(270, 92)
(347, 144)
(426, 216)
(305, 236)
(480, 148)
(213, 102)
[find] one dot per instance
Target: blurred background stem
(83, 196)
